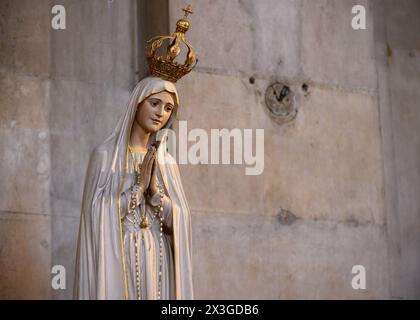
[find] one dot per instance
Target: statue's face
(154, 112)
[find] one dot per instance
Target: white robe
(101, 266)
(147, 246)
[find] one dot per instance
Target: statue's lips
(156, 121)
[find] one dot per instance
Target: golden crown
(167, 68)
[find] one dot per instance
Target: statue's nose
(159, 113)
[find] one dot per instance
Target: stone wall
(397, 42)
(326, 167)
(25, 214)
(62, 92)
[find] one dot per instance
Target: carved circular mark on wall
(279, 100)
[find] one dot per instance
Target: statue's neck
(139, 139)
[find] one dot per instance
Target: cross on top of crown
(187, 10)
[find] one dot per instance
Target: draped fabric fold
(100, 263)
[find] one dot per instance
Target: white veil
(100, 266)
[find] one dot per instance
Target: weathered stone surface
(405, 96)
(398, 67)
(24, 102)
(25, 168)
(403, 24)
(96, 45)
(25, 251)
(263, 259)
(332, 52)
(258, 38)
(283, 39)
(24, 39)
(63, 250)
(326, 164)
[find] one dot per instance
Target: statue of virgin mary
(135, 225)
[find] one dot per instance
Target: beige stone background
(348, 167)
